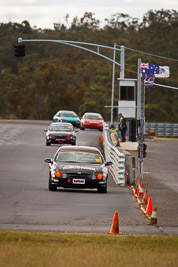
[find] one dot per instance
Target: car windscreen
(68, 114)
(93, 117)
(79, 157)
(62, 128)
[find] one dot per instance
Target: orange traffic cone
(115, 225)
(141, 192)
(145, 198)
(101, 139)
(153, 219)
(137, 188)
(149, 207)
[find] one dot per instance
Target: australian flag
(147, 68)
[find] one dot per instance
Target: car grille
(61, 136)
(77, 175)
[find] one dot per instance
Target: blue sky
(43, 13)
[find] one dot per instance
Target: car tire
(48, 144)
(81, 128)
(102, 189)
(52, 187)
(73, 143)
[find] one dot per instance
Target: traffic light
(19, 50)
(144, 150)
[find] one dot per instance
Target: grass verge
(57, 249)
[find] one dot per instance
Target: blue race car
(67, 116)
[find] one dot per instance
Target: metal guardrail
(162, 129)
(114, 154)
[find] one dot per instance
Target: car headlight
(93, 177)
(64, 175)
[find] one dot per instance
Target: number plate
(78, 181)
(60, 140)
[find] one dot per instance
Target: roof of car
(93, 113)
(70, 111)
(61, 123)
(79, 148)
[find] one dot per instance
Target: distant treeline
(53, 76)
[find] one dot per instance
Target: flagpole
(138, 88)
(141, 145)
(140, 113)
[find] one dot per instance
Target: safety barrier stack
(117, 157)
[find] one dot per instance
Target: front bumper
(92, 126)
(78, 182)
(61, 140)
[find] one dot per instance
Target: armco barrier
(162, 129)
(114, 154)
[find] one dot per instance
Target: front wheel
(52, 187)
(48, 144)
(81, 128)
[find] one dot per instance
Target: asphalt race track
(26, 204)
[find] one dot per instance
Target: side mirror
(48, 161)
(108, 163)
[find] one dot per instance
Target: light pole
(122, 72)
(113, 80)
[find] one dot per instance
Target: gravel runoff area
(160, 177)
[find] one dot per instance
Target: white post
(113, 79)
(122, 59)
